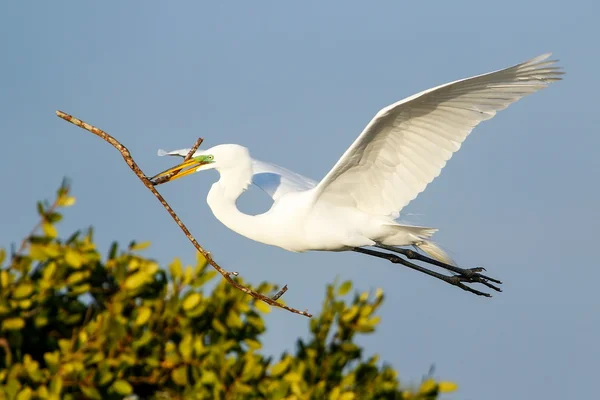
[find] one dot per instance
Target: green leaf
(191, 301)
(345, 288)
(13, 323)
(179, 375)
(53, 217)
(40, 209)
(122, 387)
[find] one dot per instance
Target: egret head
(219, 157)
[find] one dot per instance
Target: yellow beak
(179, 171)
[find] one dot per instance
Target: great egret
(355, 206)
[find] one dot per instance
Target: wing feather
(277, 181)
(406, 145)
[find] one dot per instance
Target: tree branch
(134, 167)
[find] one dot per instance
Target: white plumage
(402, 149)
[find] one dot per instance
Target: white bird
(356, 205)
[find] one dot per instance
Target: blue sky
(296, 83)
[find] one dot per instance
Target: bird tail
(434, 251)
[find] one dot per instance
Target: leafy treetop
(73, 326)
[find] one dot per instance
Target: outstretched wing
(277, 181)
(273, 179)
(406, 145)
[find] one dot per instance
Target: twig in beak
(169, 176)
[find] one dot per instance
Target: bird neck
(222, 199)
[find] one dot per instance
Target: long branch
(134, 167)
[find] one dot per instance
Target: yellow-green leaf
(179, 375)
(188, 274)
(253, 344)
(13, 323)
(73, 258)
(262, 306)
(175, 268)
(23, 290)
(48, 272)
(191, 301)
(40, 321)
(52, 359)
(143, 315)
(122, 387)
(202, 261)
(218, 326)
(292, 377)
(446, 387)
(136, 280)
(76, 277)
(90, 392)
(428, 386)
(347, 396)
(335, 393)
(66, 201)
(4, 278)
(140, 246)
(25, 394)
(345, 288)
(280, 367)
(233, 320)
(186, 347)
(2, 255)
(49, 230)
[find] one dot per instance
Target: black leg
(413, 255)
(453, 280)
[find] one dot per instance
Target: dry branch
(134, 167)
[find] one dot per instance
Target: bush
(74, 326)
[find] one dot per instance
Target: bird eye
(211, 157)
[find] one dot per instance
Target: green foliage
(76, 326)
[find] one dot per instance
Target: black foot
(463, 277)
(472, 273)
